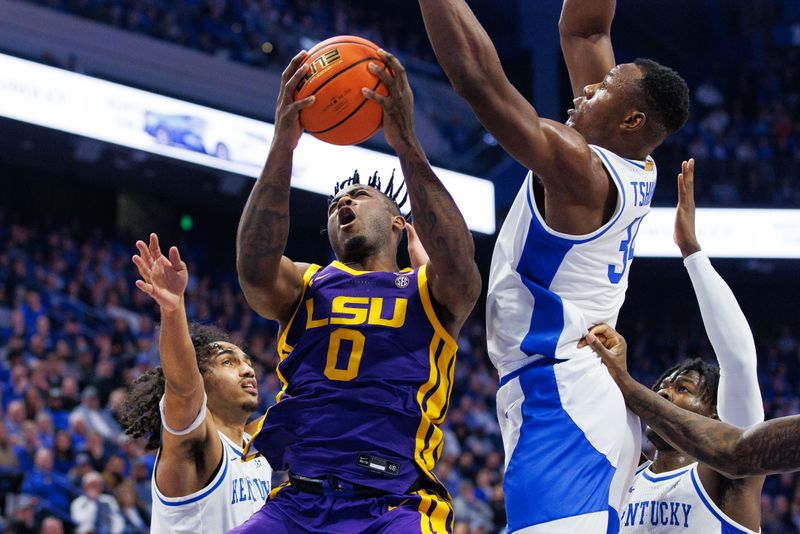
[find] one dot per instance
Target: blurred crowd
(744, 128)
(262, 33)
(74, 332)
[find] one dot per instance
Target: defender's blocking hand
(685, 236)
(164, 278)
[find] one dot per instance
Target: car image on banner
(194, 133)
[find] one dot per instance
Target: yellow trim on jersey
(436, 405)
(427, 304)
(283, 351)
(434, 521)
(349, 270)
(276, 489)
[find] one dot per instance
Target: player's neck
(669, 460)
(373, 262)
(626, 148)
(233, 430)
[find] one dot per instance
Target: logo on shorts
(402, 281)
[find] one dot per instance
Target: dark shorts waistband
(333, 486)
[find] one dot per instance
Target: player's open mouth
(346, 216)
(250, 387)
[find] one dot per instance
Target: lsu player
(194, 408)
(562, 257)
(367, 350)
(675, 493)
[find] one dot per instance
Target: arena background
(74, 331)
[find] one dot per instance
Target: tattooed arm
(270, 281)
(769, 447)
(452, 273)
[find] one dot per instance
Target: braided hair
(140, 415)
(390, 191)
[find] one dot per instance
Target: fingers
(145, 287)
(382, 73)
(596, 345)
(144, 269)
(175, 259)
(304, 103)
(295, 79)
(393, 63)
(144, 253)
(686, 181)
(155, 248)
(292, 67)
(372, 95)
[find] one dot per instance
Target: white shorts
(571, 446)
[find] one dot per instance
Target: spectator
(52, 525)
(53, 490)
(95, 511)
(135, 514)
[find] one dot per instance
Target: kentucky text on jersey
(366, 370)
(237, 491)
(672, 502)
(248, 489)
(656, 513)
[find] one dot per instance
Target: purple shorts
(291, 511)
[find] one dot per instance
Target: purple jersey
(367, 371)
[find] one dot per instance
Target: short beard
(354, 244)
(658, 442)
(250, 406)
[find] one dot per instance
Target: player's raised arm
(550, 149)
(585, 30)
(739, 398)
(272, 282)
(453, 275)
(164, 279)
(766, 448)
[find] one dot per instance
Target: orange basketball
(338, 70)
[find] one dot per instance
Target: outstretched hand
(164, 278)
(611, 347)
(287, 111)
(398, 105)
(416, 252)
(685, 236)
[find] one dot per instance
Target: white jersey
(546, 288)
(237, 491)
(673, 502)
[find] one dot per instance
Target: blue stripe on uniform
(541, 257)
(727, 527)
(203, 495)
(656, 478)
(550, 440)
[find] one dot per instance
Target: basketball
(341, 115)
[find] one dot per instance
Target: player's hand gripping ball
(337, 72)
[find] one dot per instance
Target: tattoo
(769, 447)
(264, 226)
(443, 232)
(772, 446)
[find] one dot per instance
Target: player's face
(359, 222)
(686, 390)
(231, 384)
(603, 105)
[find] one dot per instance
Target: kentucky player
(194, 408)
(675, 493)
(367, 350)
(562, 258)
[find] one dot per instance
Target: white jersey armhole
(189, 429)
